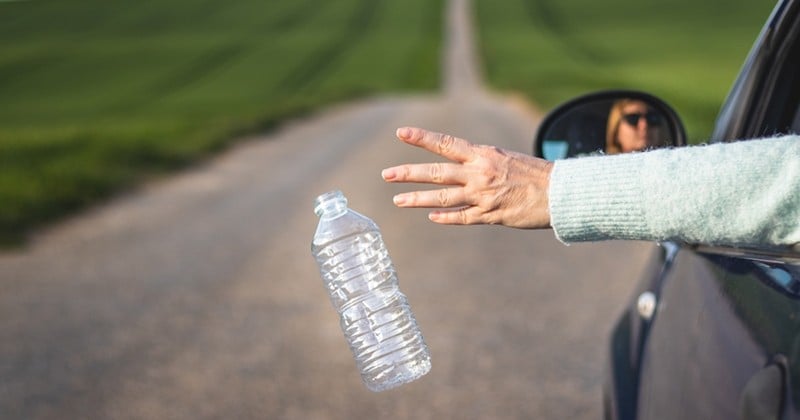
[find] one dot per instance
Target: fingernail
(403, 132)
(388, 174)
(399, 200)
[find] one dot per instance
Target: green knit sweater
(741, 194)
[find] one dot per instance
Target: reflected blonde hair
(614, 118)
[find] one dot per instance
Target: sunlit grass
(687, 52)
(96, 95)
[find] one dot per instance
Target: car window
(783, 110)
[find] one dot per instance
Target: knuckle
(403, 172)
(444, 198)
(463, 217)
(445, 143)
(490, 174)
(486, 177)
(435, 172)
(489, 150)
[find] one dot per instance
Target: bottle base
(399, 375)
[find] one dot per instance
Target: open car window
(782, 112)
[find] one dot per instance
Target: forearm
(746, 193)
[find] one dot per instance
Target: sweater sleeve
(741, 194)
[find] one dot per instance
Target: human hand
(487, 185)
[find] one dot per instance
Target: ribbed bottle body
(375, 316)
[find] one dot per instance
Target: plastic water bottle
(374, 315)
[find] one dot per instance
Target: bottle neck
(330, 205)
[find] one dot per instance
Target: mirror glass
(607, 126)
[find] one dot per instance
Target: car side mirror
(608, 122)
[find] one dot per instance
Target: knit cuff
(597, 198)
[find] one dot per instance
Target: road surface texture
(197, 297)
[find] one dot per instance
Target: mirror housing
(591, 124)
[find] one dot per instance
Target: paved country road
(197, 297)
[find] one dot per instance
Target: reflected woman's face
(638, 127)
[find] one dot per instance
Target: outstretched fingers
(450, 147)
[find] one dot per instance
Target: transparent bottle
(362, 283)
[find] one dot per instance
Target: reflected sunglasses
(652, 118)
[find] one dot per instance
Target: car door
(725, 340)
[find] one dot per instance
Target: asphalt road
(197, 297)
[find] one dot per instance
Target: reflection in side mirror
(609, 122)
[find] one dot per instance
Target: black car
(711, 332)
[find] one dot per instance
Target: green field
(687, 52)
(96, 95)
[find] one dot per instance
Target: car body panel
(701, 351)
